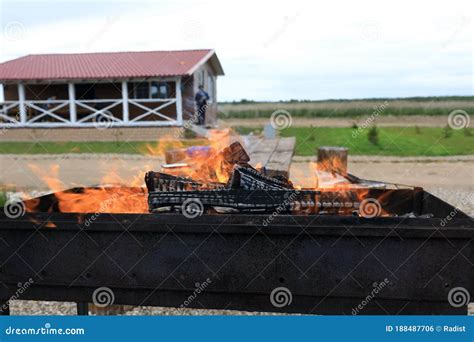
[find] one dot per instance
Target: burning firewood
(245, 189)
(250, 179)
(158, 181)
(235, 154)
(238, 193)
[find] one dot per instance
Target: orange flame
(206, 164)
(92, 200)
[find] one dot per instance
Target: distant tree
(447, 131)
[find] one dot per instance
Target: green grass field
(430, 106)
(393, 141)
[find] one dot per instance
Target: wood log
(333, 159)
(235, 154)
(175, 155)
(280, 160)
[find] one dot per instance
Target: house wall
(187, 94)
(10, 92)
(43, 92)
(169, 111)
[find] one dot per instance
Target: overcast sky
(270, 50)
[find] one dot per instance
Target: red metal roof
(115, 65)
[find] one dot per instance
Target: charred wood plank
(159, 181)
(280, 160)
(250, 179)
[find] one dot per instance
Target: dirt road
(382, 121)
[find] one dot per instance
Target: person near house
(201, 99)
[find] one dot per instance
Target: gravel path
(30, 307)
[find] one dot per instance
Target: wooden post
(82, 309)
(333, 159)
(179, 102)
(4, 307)
(22, 103)
(72, 103)
(125, 102)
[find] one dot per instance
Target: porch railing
(56, 113)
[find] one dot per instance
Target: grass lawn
(393, 141)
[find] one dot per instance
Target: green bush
(447, 131)
(373, 135)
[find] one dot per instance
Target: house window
(159, 90)
(142, 90)
(151, 90)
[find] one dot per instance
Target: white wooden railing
(63, 113)
(46, 113)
